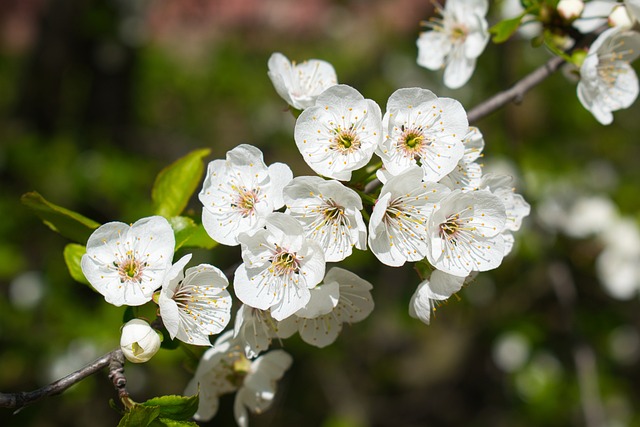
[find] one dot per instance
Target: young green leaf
(139, 416)
(167, 422)
(174, 407)
(70, 224)
(200, 239)
(503, 30)
(176, 183)
(72, 256)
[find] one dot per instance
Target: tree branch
(516, 92)
(114, 359)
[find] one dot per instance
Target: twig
(516, 92)
(21, 399)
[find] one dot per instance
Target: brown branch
(516, 92)
(114, 359)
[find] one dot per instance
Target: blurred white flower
(239, 192)
(139, 341)
(280, 266)
(339, 133)
(607, 81)
(126, 264)
(570, 9)
(594, 15)
(422, 129)
(343, 297)
(224, 369)
(590, 216)
(195, 304)
(300, 84)
(633, 9)
(618, 265)
(456, 40)
(620, 17)
(329, 213)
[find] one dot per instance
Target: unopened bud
(619, 17)
(570, 9)
(139, 341)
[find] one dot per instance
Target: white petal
(323, 300)
(433, 47)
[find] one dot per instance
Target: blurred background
(97, 96)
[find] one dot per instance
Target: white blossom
(126, 264)
(633, 8)
(340, 133)
(422, 129)
(256, 328)
(456, 40)
(329, 213)
(239, 192)
(398, 230)
(343, 297)
(224, 369)
(620, 17)
(467, 174)
(437, 288)
(516, 208)
(139, 341)
(570, 9)
(607, 81)
(618, 265)
(195, 304)
(594, 15)
(280, 266)
(465, 233)
(300, 84)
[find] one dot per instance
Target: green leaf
(72, 256)
(183, 228)
(174, 407)
(200, 239)
(139, 416)
(68, 223)
(176, 183)
(167, 422)
(503, 30)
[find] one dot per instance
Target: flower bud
(139, 342)
(619, 17)
(570, 9)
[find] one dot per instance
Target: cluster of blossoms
(427, 200)
(597, 217)
(607, 82)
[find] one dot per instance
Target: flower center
(451, 228)
(332, 211)
(130, 269)
(245, 201)
(459, 33)
(240, 367)
(345, 140)
(284, 263)
(413, 142)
